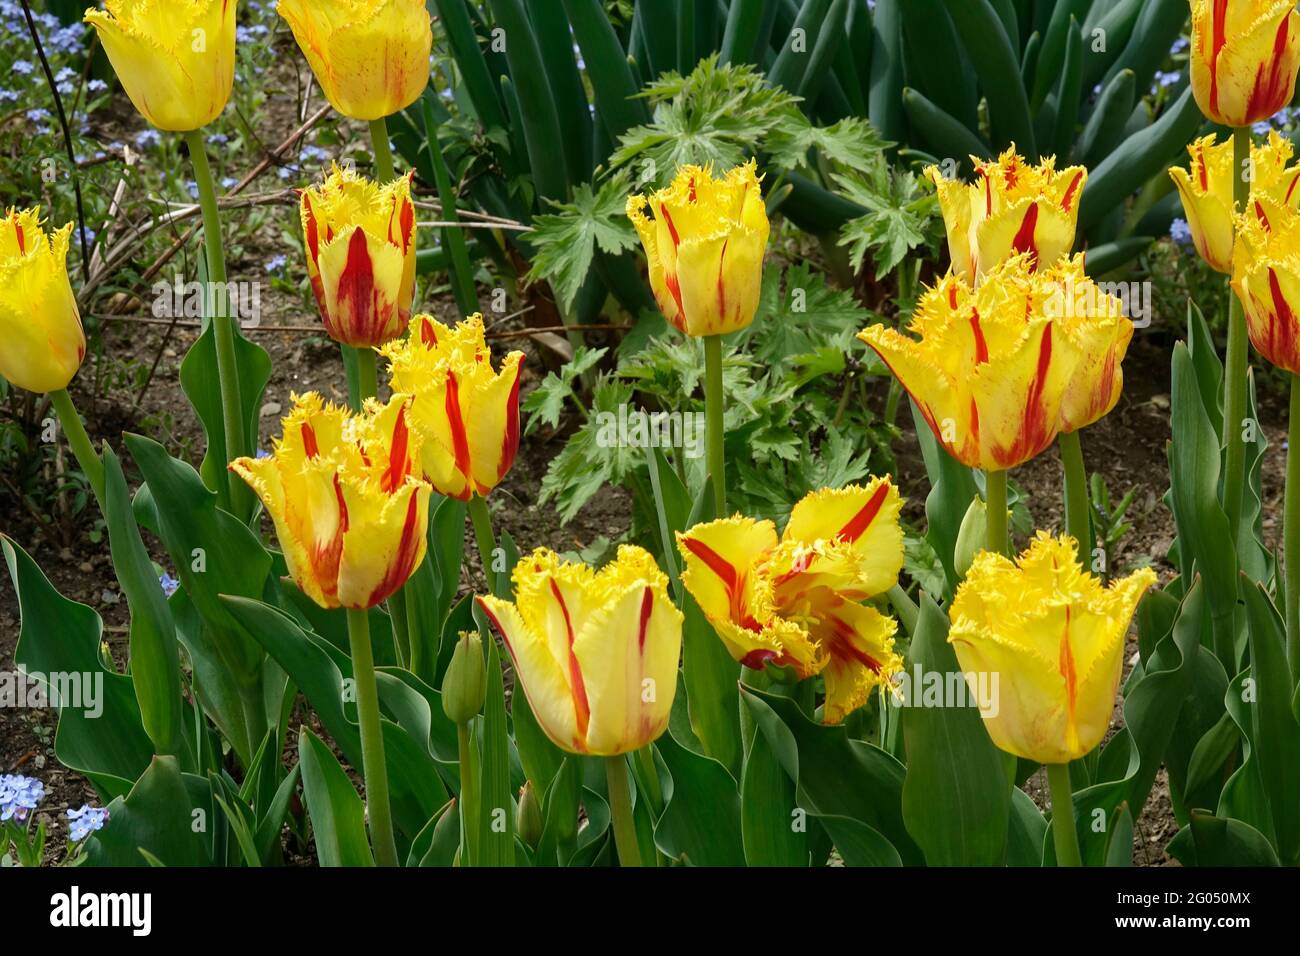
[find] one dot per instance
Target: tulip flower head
(1055, 638)
(467, 415)
(1266, 278)
(41, 340)
(1244, 58)
(705, 248)
(346, 496)
(371, 57)
(990, 370)
(1013, 208)
(360, 239)
(796, 601)
(1092, 326)
(1206, 188)
(175, 58)
(595, 651)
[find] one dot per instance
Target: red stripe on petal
(309, 440)
(459, 440)
(579, 689)
(1270, 92)
(510, 439)
(1218, 40)
(399, 455)
(356, 293)
(408, 548)
(1068, 200)
(861, 521)
(647, 608)
(1024, 240)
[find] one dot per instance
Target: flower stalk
(714, 409)
(1234, 380)
(484, 537)
(1064, 835)
(374, 767)
(82, 448)
(1077, 521)
(234, 496)
(995, 497)
(620, 808)
(1291, 533)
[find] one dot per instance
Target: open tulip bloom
(1206, 189)
(796, 601)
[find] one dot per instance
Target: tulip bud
(464, 687)
(972, 536)
(528, 818)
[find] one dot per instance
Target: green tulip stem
(904, 607)
(468, 792)
(92, 466)
(1234, 379)
(713, 411)
(373, 767)
(995, 498)
(385, 172)
(1077, 523)
(367, 376)
(1063, 832)
(483, 537)
(620, 808)
(1291, 533)
(233, 494)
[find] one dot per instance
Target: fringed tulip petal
(1244, 58)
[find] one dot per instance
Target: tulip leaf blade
(1210, 840)
(60, 636)
(995, 62)
(771, 823)
(154, 823)
(956, 797)
(496, 818)
(701, 820)
(338, 816)
(835, 775)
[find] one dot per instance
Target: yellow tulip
(1093, 327)
(1055, 639)
(1013, 208)
(344, 491)
(989, 373)
(705, 248)
(796, 601)
(595, 651)
(41, 341)
(1244, 58)
(371, 57)
(1205, 187)
(175, 58)
(1266, 278)
(467, 415)
(360, 239)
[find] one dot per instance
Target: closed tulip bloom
(41, 340)
(796, 601)
(371, 57)
(1205, 187)
(175, 58)
(466, 414)
(1266, 278)
(1244, 58)
(1055, 639)
(360, 239)
(595, 651)
(347, 500)
(987, 370)
(1092, 325)
(1012, 208)
(705, 248)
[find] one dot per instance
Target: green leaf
(105, 740)
(836, 775)
(956, 796)
(155, 662)
(769, 814)
(155, 822)
(700, 824)
(1216, 841)
(901, 215)
(497, 813)
(338, 817)
(566, 240)
(991, 52)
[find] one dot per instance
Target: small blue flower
(38, 115)
(277, 264)
(82, 823)
(192, 188)
(1261, 128)
(19, 796)
(1180, 232)
(218, 139)
(67, 73)
(22, 67)
(150, 137)
(229, 182)
(169, 584)
(1180, 45)
(262, 453)
(8, 96)
(97, 86)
